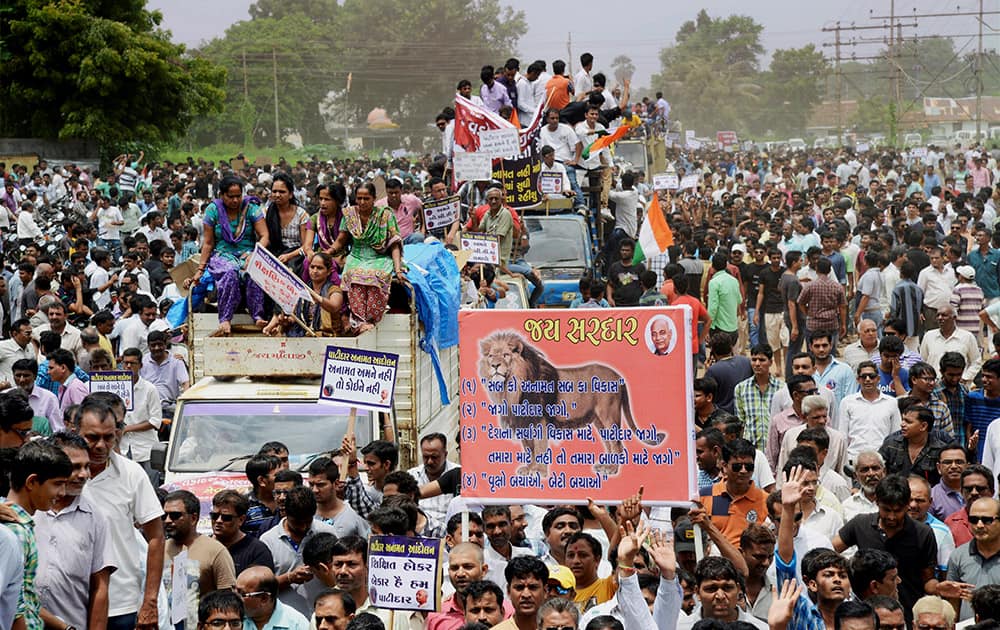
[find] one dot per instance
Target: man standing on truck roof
(381, 458)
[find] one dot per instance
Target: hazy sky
(639, 28)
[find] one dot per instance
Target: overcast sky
(600, 28)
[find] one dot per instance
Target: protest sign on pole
(557, 407)
(727, 140)
(404, 573)
(483, 248)
(275, 279)
(499, 143)
(918, 152)
(473, 167)
(358, 378)
(862, 147)
(441, 213)
(117, 382)
(665, 181)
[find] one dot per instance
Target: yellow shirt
(105, 344)
(599, 592)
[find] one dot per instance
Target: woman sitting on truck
(286, 222)
(324, 226)
(375, 258)
(233, 223)
(322, 312)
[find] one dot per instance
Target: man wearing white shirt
(937, 282)
(582, 82)
(870, 415)
(568, 149)
(434, 453)
(153, 230)
(132, 332)
(948, 337)
(527, 95)
(143, 422)
(69, 335)
(555, 170)
(27, 230)
(100, 280)
(19, 346)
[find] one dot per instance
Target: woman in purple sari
(324, 226)
(233, 225)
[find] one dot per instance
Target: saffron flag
(655, 236)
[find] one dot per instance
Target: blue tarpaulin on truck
(434, 275)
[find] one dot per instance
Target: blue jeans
(578, 192)
(529, 274)
(874, 315)
(123, 622)
(754, 333)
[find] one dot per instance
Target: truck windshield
(556, 241)
(212, 436)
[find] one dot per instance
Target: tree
(319, 10)
(623, 68)
(793, 85)
(711, 73)
(410, 64)
(873, 115)
(294, 48)
(99, 70)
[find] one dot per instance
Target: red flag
(470, 119)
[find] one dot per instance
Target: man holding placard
(553, 180)
(442, 231)
(144, 420)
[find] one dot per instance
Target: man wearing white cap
(968, 300)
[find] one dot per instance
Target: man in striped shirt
(983, 407)
(968, 300)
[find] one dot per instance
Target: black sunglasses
(173, 516)
(226, 518)
(738, 466)
(985, 520)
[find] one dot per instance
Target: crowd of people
(845, 396)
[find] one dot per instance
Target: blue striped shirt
(979, 413)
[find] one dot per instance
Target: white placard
(441, 213)
(276, 280)
(693, 144)
(353, 377)
(665, 181)
(483, 248)
(862, 147)
(689, 134)
(499, 143)
(473, 167)
(690, 181)
(117, 382)
(550, 183)
(398, 153)
(918, 152)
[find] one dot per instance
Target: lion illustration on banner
(507, 360)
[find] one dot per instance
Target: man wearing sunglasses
(229, 511)
(258, 587)
(207, 556)
(735, 501)
(975, 564)
(869, 416)
(799, 386)
(977, 482)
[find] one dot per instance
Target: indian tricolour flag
(655, 235)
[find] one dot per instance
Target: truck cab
(254, 389)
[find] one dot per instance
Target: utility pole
(840, 86)
(274, 66)
(979, 76)
(569, 54)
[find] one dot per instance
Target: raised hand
(783, 604)
(662, 552)
(791, 489)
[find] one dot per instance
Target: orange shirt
(557, 92)
(698, 313)
(731, 514)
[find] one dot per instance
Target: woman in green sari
(375, 258)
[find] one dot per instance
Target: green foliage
(792, 86)
(873, 115)
(623, 68)
(711, 73)
(408, 64)
(99, 69)
(300, 48)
